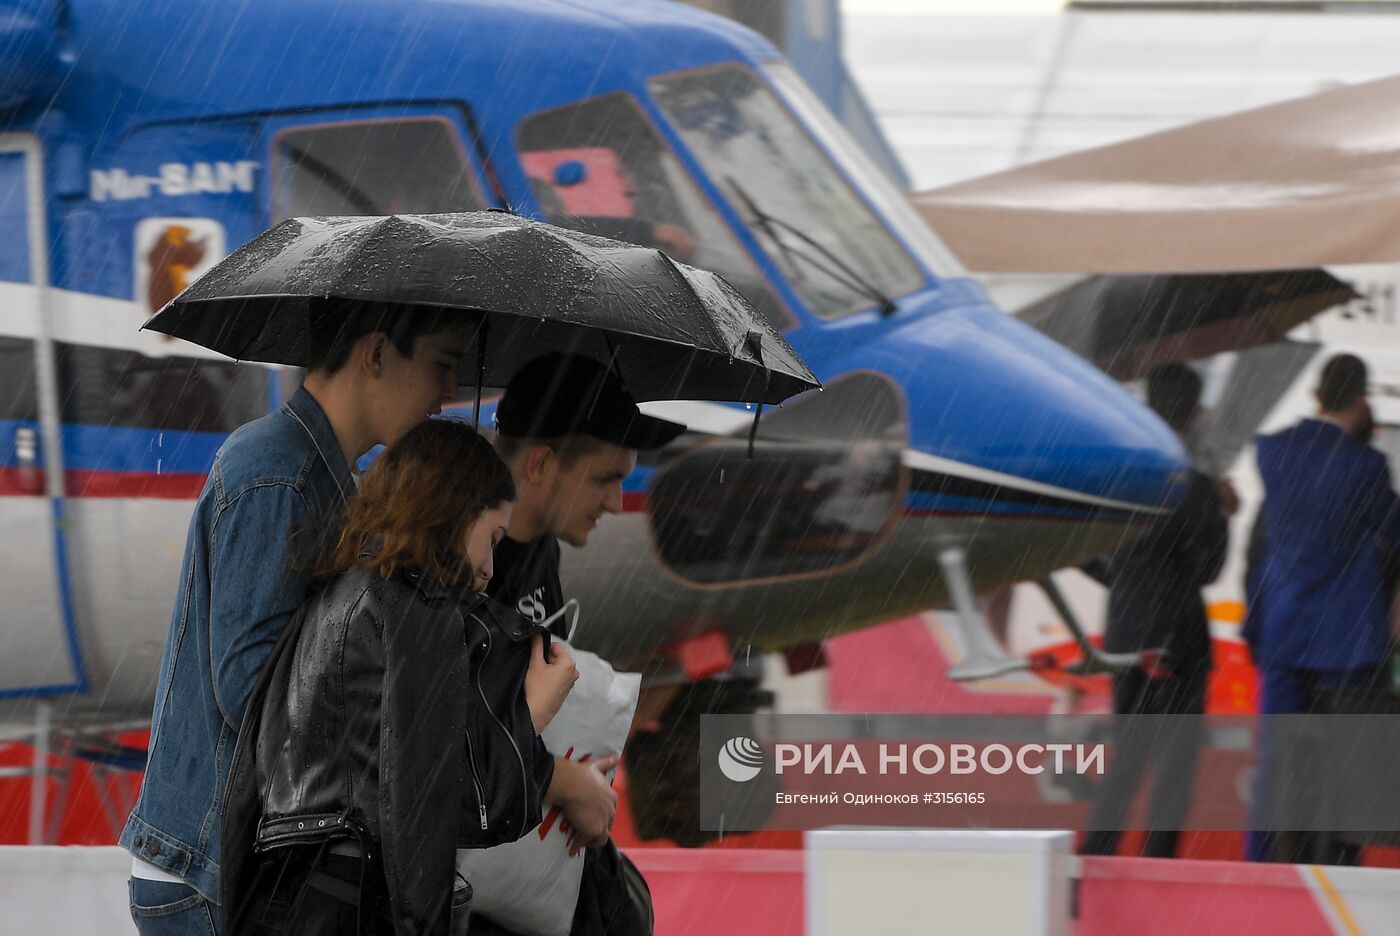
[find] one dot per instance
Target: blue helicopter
(953, 450)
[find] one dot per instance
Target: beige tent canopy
(1306, 183)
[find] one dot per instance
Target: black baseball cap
(560, 395)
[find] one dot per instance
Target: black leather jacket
(396, 706)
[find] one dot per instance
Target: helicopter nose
(1006, 415)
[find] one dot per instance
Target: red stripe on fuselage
(79, 482)
(20, 482)
(167, 486)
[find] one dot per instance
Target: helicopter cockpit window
(835, 251)
(402, 166)
(600, 166)
(408, 165)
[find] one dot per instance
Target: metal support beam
(39, 781)
(58, 806)
(1094, 660)
(984, 657)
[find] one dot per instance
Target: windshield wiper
(342, 186)
(851, 279)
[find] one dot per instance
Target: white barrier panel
(68, 891)
(897, 882)
(1356, 900)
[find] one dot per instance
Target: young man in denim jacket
(373, 374)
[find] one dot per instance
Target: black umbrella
(672, 332)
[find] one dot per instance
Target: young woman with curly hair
(399, 718)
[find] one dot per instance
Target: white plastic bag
(531, 886)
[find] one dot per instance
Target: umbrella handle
(754, 340)
(480, 372)
(753, 430)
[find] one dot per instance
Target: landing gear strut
(985, 657)
(1092, 659)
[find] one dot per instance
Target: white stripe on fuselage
(927, 462)
(717, 419)
(87, 319)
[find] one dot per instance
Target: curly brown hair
(416, 503)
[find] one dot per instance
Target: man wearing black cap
(570, 432)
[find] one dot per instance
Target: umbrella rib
(502, 271)
(612, 358)
(679, 275)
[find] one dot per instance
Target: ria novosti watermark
(741, 759)
(930, 759)
(1328, 773)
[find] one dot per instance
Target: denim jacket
(271, 482)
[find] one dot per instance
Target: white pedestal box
(893, 882)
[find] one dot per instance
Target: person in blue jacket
(1318, 606)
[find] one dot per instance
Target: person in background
(1319, 609)
(1155, 604)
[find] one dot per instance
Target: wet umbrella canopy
(669, 330)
